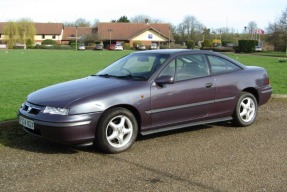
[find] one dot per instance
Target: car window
(137, 65)
(144, 64)
(187, 67)
(221, 65)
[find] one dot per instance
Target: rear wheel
(246, 110)
(117, 130)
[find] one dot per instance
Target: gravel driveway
(216, 157)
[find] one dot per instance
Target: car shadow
(174, 132)
(13, 136)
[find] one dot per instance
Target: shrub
(126, 46)
(247, 46)
(49, 42)
(219, 49)
(190, 44)
(59, 47)
(136, 43)
(207, 43)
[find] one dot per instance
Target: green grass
(24, 71)
(276, 70)
(271, 54)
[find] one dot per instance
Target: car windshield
(138, 66)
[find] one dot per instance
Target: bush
(59, 47)
(126, 46)
(247, 46)
(219, 49)
(190, 44)
(49, 42)
(18, 47)
(136, 43)
(207, 43)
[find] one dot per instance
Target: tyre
(117, 130)
(246, 110)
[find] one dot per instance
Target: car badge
(29, 109)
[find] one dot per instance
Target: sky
(213, 14)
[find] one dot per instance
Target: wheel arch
(254, 92)
(132, 109)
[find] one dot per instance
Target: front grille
(32, 109)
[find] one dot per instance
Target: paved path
(215, 157)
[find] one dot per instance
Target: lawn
(24, 71)
(277, 71)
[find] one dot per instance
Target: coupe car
(146, 92)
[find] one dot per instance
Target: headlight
(56, 111)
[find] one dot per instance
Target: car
(99, 47)
(258, 48)
(81, 47)
(153, 46)
(112, 47)
(141, 47)
(143, 93)
(119, 47)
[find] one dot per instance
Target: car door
(226, 79)
(191, 95)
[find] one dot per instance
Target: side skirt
(148, 132)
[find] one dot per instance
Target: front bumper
(73, 129)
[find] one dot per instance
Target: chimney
(146, 21)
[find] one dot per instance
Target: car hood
(60, 95)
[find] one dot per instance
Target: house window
(43, 36)
(53, 36)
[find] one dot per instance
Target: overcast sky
(211, 13)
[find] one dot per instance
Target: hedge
(247, 46)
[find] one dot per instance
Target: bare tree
(252, 27)
(189, 28)
(80, 22)
(278, 32)
(144, 19)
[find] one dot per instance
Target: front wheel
(116, 131)
(246, 110)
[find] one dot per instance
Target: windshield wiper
(132, 77)
(106, 75)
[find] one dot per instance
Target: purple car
(143, 93)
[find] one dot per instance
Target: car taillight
(267, 81)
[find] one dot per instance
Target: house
(52, 31)
(71, 33)
(108, 33)
(146, 33)
(44, 31)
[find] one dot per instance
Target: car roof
(174, 52)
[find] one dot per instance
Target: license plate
(26, 122)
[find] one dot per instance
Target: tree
(278, 32)
(21, 32)
(80, 22)
(144, 19)
(123, 19)
(189, 29)
(252, 27)
(12, 34)
(27, 31)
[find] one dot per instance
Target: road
(215, 157)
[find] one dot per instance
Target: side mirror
(165, 79)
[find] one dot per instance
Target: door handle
(209, 85)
